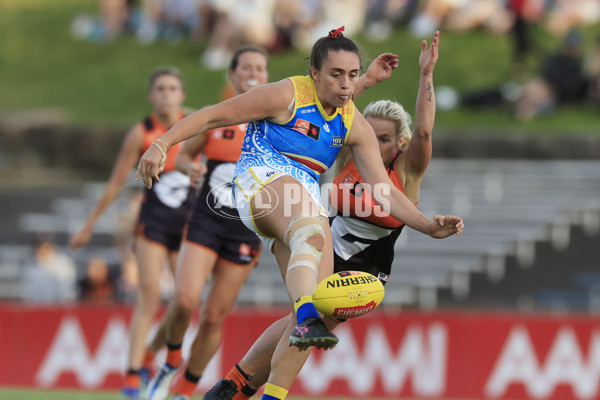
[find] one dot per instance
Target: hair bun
(335, 33)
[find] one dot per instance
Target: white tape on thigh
(302, 253)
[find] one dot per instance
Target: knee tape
(299, 231)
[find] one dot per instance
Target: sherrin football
(348, 294)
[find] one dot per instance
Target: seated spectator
(52, 278)
(565, 15)
(113, 18)
(172, 20)
(97, 286)
(237, 23)
(560, 81)
(462, 15)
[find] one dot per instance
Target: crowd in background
(571, 74)
(224, 25)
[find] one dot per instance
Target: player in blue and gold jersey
(277, 195)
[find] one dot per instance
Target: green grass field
(102, 84)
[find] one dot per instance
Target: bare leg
(228, 279)
(193, 269)
(150, 259)
(288, 361)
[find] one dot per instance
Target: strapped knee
(304, 237)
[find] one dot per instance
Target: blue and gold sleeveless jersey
(309, 140)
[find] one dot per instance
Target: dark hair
(235, 59)
(324, 45)
(165, 70)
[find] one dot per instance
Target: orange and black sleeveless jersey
(166, 206)
(351, 199)
(363, 234)
(153, 129)
(222, 150)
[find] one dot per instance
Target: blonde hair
(392, 111)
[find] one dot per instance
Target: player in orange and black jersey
(216, 242)
(161, 220)
(363, 235)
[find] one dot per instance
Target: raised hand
(444, 226)
(429, 56)
(381, 68)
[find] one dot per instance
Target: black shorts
(229, 238)
(376, 259)
(163, 224)
(155, 234)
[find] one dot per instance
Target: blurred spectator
(52, 278)
(172, 20)
(331, 14)
(462, 15)
(237, 23)
(591, 70)
(277, 24)
(565, 15)
(560, 81)
(525, 13)
(97, 286)
(382, 15)
(112, 21)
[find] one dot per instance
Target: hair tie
(335, 33)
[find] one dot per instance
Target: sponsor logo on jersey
(336, 141)
(302, 126)
(326, 127)
(308, 110)
(313, 132)
(307, 128)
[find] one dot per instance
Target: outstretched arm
(365, 152)
(419, 152)
(380, 70)
(128, 155)
(265, 101)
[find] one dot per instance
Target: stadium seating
(510, 209)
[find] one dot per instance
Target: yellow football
(348, 294)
